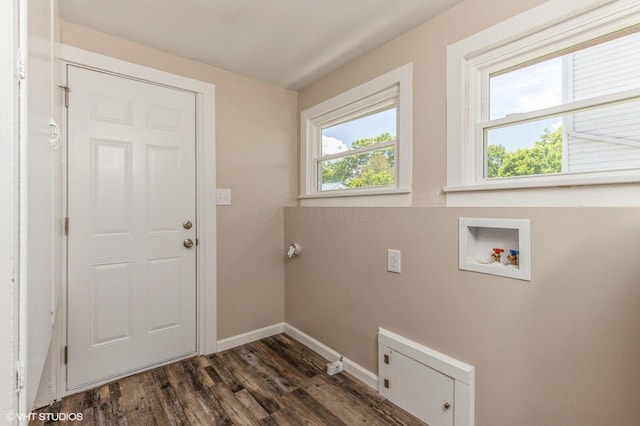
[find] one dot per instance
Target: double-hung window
(359, 143)
(549, 98)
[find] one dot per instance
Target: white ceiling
(288, 43)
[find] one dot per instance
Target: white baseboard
(351, 367)
(250, 336)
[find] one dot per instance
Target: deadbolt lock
(187, 224)
(446, 405)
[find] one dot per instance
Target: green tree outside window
(544, 157)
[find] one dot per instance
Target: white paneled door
(132, 225)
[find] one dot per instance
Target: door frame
(206, 249)
(9, 210)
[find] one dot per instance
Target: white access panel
(436, 388)
(416, 388)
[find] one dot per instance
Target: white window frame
(391, 89)
(551, 27)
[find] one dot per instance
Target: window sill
(528, 182)
(567, 192)
(382, 197)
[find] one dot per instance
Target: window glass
(524, 149)
(602, 69)
(605, 135)
(605, 138)
(527, 89)
(371, 168)
(605, 68)
(359, 132)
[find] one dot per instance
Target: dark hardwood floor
(275, 381)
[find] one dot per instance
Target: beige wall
(562, 349)
(255, 144)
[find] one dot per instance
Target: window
(359, 143)
(559, 105)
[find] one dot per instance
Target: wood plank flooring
(275, 381)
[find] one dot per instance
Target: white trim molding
(356, 370)
(9, 210)
(250, 336)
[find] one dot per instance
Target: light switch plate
(223, 196)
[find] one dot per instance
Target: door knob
(187, 224)
(188, 243)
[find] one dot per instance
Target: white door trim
(9, 249)
(205, 181)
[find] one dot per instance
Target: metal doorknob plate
(188, 243)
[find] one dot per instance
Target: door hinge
(386, 383)
(21, 70)
(19, 376)
(66, 225)
(386, 359)
(66, 95)
(66, 354)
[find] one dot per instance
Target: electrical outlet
(393, 261)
